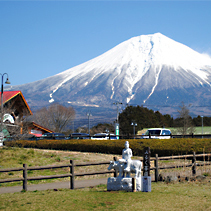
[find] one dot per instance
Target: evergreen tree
(143, 117)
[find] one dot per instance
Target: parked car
(79, 136)
(53, 136)
(157, 133)
(22, 137)
(103, 136)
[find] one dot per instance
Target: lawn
(172, 196)
(192, 195)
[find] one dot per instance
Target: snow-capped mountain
(144, 70)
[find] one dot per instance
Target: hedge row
(165, 147)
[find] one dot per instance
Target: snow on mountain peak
(138, 70)
(129, 61)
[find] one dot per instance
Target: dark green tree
(144, 117)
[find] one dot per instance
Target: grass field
(192, 195)
(172, 196)
(16, 157)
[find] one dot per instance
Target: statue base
(146, 183)
(119, 183)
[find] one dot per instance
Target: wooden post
(72, 178)
(146, 161)
(115, 173)
(25, 177)
(194, 164)
(133, 184)
(156, 167)
(146, 171)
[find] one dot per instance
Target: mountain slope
(148, 69)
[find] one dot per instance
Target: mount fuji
(151, 70)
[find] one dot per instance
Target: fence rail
(73, 174)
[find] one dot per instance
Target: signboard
(146, 179)
(8, 117)
(1, 138)
(147, 153)
(117, 130)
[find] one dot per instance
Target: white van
(157, 133)
(103, 136)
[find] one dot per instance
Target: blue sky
(42, 38)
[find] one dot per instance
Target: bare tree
(185, 121)
(102, 128)
(56, 117)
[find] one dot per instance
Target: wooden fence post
(115, 173)
(25, 177)
(194, 164)
(72, 178)
(146, 171)
(156, 167)
(133, 184)
(146, 162)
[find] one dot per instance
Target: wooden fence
(204, 161)
(72, 166)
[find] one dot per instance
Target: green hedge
(165, 147)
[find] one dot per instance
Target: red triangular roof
(8, 95)
(43, 128)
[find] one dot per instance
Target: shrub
(162, 147)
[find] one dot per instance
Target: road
(55, 185)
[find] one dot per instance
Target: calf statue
(135, 167)
(116, 165)
(125, 167)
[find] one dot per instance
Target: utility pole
(117, 117)
(2, 106)
(117, 120)
(202, 126)
(134, 124)
(89, 114)
(73, 126)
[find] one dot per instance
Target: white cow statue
(125, 167)
(135, 167)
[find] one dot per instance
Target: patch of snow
(130, 98)
(51, 100)
(156, 83)
(83, 104)
(112, 87)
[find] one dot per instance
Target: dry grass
(183, 171)
(15, 157)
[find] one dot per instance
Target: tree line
(147, 118)
(59, 118)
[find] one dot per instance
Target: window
(166, 132)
